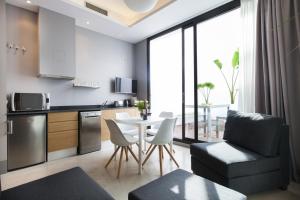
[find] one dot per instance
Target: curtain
(247, 56)
(278, 67)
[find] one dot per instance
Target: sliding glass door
(166, 76)
(217, 39)
(181, 61)
(189, 84)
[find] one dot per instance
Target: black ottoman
(73, 184)
(184, 185)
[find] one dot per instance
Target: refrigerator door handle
(10, 127)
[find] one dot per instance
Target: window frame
(223, 9)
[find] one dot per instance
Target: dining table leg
(141, 134)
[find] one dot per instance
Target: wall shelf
(86, 84)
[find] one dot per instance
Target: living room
(151, 99)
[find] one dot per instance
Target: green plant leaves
(208, 85)
(218, 63)
(236, 59)
(200, 85)
(143, 104)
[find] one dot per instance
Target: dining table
(141, 125)
(207, 113)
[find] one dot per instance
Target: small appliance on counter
(29, 101)
(127, 103)
(133, 101)
(118, 104)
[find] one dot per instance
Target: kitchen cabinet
(111, 114)
(56, 45)
(62, 130)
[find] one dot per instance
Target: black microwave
(29, 101)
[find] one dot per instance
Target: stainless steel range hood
(56, 45)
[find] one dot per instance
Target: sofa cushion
(256, 132)
(232, 161)
(73, 184)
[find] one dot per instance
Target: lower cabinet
(63, 127)
(62, 130)
(111, 114)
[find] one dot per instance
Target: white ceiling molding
(175, 13)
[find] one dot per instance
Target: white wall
(3, 145)
(98, 58)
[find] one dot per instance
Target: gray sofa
(73, 184)
(254, 156)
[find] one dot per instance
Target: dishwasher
(89, 132)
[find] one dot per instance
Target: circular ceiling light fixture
(141, 5)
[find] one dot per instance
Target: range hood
(56, 45)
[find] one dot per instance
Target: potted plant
(231, 83)
(143, 106)
(205, 89)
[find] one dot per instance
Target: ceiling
(133, 27)
(118, 10)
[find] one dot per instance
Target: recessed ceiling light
(87, 22)
(29, 2)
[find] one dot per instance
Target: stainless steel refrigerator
(26, 141)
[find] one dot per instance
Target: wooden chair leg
(149, 149)
(120, 162)
(133, 155)
(149, 155)
(137, 145)
(171, 155)
(116, 151)
(126, 152)
(160, 159)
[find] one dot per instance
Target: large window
(183, 58)
(217, 38)
(166, 75)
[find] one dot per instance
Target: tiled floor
(93, 164)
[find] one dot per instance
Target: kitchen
(86, 65)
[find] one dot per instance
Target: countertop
(77, 108)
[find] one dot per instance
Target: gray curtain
(278, 67)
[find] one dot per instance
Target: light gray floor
(93, 164)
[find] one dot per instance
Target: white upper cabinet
(56, 45)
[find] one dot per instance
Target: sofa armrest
(284, 151)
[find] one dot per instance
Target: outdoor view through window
(217, 46)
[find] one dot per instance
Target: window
(184, 57)
(217, 38)
(166, 75)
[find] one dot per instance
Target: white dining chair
(154, 129)
(126, 129)
(121, 141)
(163, 137)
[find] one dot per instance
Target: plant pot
(144, 116)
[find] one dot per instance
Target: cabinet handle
(10, 127)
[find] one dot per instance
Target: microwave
(29, 101)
